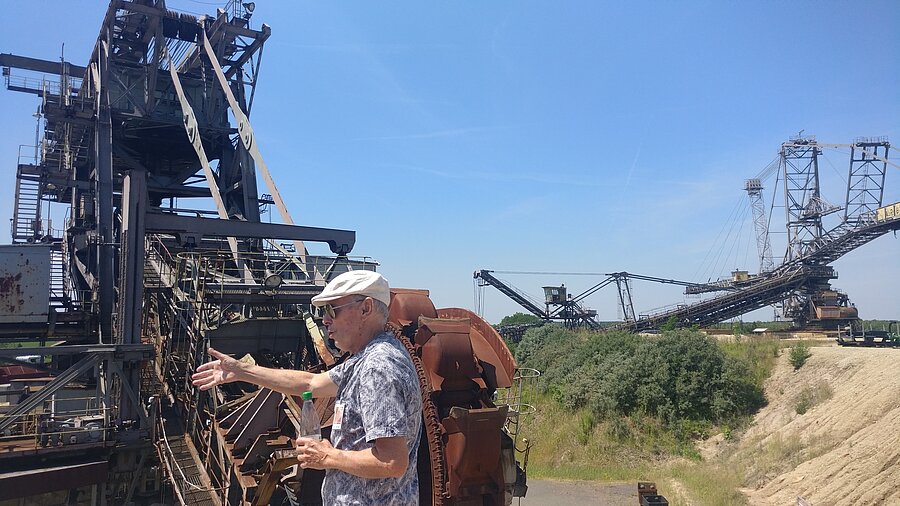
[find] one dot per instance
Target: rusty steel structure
(163, 253)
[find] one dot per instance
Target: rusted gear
(431, 423)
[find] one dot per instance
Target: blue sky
(545, 136)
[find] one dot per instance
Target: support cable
(771, 168)
(739, 239)
(554, 273)
(720, 245)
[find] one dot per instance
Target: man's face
(345, 327)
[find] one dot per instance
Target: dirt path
(845, 448)
(560, 493)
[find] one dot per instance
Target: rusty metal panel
(488, 347)
(24, 283)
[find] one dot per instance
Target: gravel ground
(565, 493)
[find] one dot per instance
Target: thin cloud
(438, 134)
(365, 49)
(502, 177)
(533, 206)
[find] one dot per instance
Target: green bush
(681, 378)
(799, 353)
(685, 375)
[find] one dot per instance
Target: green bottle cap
(306, 396)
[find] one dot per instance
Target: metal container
(24, 283)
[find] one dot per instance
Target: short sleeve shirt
(378, 396)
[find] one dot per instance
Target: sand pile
(830, 433)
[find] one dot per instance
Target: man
(371, 458)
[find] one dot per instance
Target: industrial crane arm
(511, 292)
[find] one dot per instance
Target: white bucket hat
(368, 283)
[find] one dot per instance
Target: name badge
(338, 416)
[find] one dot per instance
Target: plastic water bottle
(309, 419)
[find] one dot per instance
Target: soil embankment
(830, 432)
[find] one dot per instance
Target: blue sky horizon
(544, 136)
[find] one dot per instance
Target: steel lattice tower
(760, 225)
(865, 186)
(800, 170)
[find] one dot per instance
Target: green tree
(519, 318)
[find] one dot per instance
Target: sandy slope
(844, 450)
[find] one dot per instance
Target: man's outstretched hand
(222, 370)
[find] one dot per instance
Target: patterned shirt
(378, 396)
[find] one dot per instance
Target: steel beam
(131, 260)
(103, 178)
(43, 66)
(865, 184)
(800, 173)
(130, 380)
(339, 241)
(192, 128)
(245, 133)
(34, 482)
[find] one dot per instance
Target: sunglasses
(331, 311)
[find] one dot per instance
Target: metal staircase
(58, 295)
(26, 222)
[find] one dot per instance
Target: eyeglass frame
(328, 309)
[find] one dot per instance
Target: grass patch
(626, 449)
(575, 445)
(765, 461)
(587, 472)
(586, 427)
(812, 395)
(704, 484)
(760, 355)
(778, 455)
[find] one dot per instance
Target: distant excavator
(801, 285)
